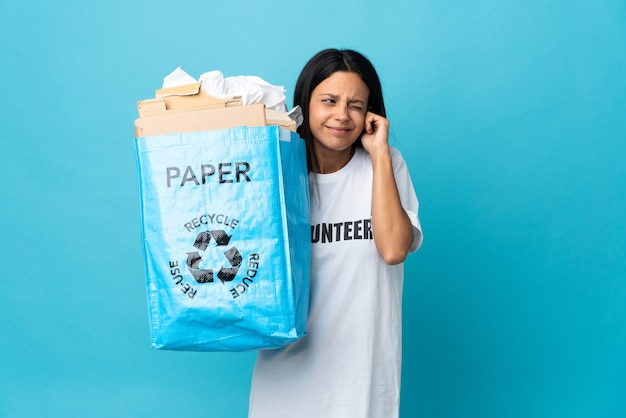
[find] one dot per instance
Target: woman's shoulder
(396, 156)
(395, 152)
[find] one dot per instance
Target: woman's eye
(328, 101)
(357, 108)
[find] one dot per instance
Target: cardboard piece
(189, 96)
(275, 117)
(194, 120)
(189, 109)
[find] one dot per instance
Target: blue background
(511, 115)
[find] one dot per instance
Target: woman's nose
(342, 112)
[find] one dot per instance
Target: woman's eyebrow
(335, 97)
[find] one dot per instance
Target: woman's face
(337, 114)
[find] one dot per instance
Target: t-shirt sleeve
(408, 198)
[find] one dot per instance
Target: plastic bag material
(226, 237)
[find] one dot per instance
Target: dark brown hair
(324, 64)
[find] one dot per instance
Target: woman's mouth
(338, 130)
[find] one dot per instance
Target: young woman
(364, 222)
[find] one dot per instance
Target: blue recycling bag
(226, 237)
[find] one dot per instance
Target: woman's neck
(326, 163)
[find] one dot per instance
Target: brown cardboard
(151, 107)
(184, 90)
(189, 109)
(189, 96)
(200, 120)
(275, 117)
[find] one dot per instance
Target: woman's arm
(392, 228)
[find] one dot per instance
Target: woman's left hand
(375, 134)
(393, 232)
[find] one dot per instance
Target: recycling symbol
(194, 260)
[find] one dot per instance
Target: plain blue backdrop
(510, 114)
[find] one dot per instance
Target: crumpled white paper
(178, 78)
(252, 89)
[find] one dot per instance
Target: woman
(364, 222)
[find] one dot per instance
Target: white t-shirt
(348, 365)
